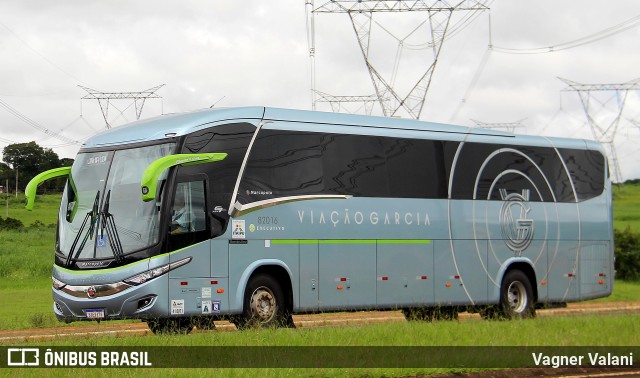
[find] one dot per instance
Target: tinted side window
(587, 171)
(233, 139)
(416, 168)
(283, 163)
(512, 168)
(355, 165)
(287, 163)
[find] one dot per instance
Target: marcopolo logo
(517, 228)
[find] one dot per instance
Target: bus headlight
(57, 284)
(150, 274)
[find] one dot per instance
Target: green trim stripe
(108, 270)
(351, 241)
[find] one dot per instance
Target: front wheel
(264, 304)
(516, 296)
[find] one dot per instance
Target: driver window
(188, 214)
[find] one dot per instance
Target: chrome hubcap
(517, 297)
(263, 304)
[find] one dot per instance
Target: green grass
(623, 291)
(26, 304)
(626, 207)
(26, 255)
(617, 330)
(45, 210)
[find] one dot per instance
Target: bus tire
(264, 304)
(516, 296)
(170, 326)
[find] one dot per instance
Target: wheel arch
(525, 266)
(276, 269)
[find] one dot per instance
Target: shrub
(627, 252)
(10, 224)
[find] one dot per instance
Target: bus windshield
(101, 213)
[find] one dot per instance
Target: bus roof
(175, 125)
(169, 125)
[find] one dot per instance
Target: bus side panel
(197, 296)
(447, 289)
(309, 282)
(190, 284)
(460, 276)
(596, 262)
(220, 257)
(563, 254)
(594, 275)
(461, 264)
(245, 259)
(404, 274)
(347, 275)
(562, 277)
(200, 265)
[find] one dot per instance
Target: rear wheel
(516, 296)
(264, 304)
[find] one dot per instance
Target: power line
(591, 38)
(36, 125)
(40, 54)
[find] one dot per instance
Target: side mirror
(32, 186)
(150, 176)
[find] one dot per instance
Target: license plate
(94, 314)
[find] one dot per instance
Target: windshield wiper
(109, 225)
(91, 216)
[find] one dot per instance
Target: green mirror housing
(150, 176)
(30, 191)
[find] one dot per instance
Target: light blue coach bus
(253, 214)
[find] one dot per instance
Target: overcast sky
(255, 53)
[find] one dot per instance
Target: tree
(6, 173)
(29, 159)
(66, 162)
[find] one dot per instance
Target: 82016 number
(267, 220)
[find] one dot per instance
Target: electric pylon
(604, 105)
(508, 126)
(437, 20)
(105, 98)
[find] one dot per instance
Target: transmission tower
(508, 126)
(604, 105)
(437, 20)
(105, 99)
(337, 102)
